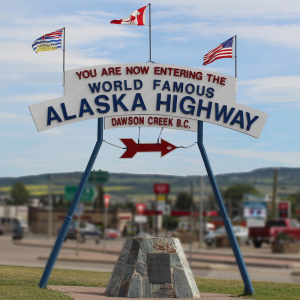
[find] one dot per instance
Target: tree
(99, 202)
(235, 193)
(183, 201)
(19, 193)
(295, 203)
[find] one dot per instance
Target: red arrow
(133, 148)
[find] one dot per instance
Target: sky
(183, 32)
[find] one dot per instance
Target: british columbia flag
(48, 42)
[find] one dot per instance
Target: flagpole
(235, 38)
(150, 31)
(64, 56)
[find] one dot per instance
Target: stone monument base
(152, 268)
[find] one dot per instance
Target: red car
(268, 233)
(111, 233)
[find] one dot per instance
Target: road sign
(140, 219)
(161, 198)
(89, 193)
(166, 210)
(79, 210)
(106, 200)
(133, 148)
(98, 176)
(284, 209)
(140, 207)
(161, 188)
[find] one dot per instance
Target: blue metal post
(248, 289)
(69, 217)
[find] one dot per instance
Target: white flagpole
(235, 45)
(150, 31)
(235, 39)
(64, 50)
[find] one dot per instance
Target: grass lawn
(22, 283)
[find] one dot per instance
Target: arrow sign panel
(88, 195)
(132, 148)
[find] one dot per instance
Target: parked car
(89, 231)
(111, 234)
(239, 231)
(266, 234)
(84, 232)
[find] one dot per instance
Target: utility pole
(230, 207)
(191, 221)
(50, 208)
(201, 223)
(274, 215)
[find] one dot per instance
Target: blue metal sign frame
(248, 289)
(63, 231)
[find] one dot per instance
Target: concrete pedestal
(130, 277)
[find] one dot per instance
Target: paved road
(11, 254)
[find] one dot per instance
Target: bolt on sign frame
(148, 95)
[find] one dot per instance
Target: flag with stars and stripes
(48, 42)
(222, 51)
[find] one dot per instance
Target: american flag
(48, 42)
(222, 51)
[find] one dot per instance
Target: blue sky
(182, 32)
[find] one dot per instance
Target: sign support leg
(248, 289)
(69, 217)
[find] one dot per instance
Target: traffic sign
(161, 188)
(140, 219)
(106, 200)
(166, 210)
(89, 193)
(98, 176)
(79, 210)
(161, 198)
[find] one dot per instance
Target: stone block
(174, 278)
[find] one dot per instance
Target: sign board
(89, 193)
(79, 210)
(161, 198)
(161, 188)
(166, 210)
(106, 200)
(140, 208)
(140, 219)
(171, 96)
(98, 176)
(255, 209)
(284, 209)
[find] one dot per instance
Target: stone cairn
(152, 268)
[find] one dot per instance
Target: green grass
(22, 283)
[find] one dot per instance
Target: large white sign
(158, 90)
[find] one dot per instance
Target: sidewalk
(248, 251)
(91, 293)
(203, 259)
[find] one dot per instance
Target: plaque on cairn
(152, 268)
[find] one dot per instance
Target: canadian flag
(138, 17)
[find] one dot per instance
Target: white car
(239, 231)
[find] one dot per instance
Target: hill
(141, 186)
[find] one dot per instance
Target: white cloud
(7, 115)
(29, 98)
(247, 31)
(272, 89)
(227, 9)
(286, 158)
